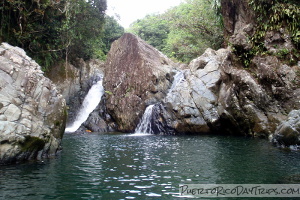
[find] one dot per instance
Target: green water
(95, 166)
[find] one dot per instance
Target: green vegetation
(185, 31)
(112, 31)
(51, 31)
(275, 15)
(154, 29)
(54, 30)
(32, 144)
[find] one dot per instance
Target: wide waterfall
(90, 102)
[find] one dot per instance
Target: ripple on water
(121, 167)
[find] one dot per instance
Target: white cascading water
(144, 127)
(90, 102)
(179, 76)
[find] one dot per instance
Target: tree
(83, 27)
(112, 32)
(195, 26)
(51, 30)
(154, 29)
(185, 31)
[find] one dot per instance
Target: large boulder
(32, 112)
(217, 94)
(136, 75)
(288, 132)
(194, 98)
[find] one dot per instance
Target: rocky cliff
(32, 112)
(265, 50)
(73, 80)
(231, 91)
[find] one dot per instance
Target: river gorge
(140, 124)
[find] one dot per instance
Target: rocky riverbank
(216, 93)
(32, 111)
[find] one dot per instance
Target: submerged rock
(32, 112)
(136, 75)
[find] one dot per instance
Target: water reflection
(145, 167)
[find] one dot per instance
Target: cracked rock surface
(32, 112)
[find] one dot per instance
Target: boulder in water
(194, 98)
(288, 132)
(32, 112)
(136, 75)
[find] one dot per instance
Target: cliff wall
(32, 111)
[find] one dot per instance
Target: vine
(275, 15)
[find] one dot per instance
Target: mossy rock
(32, 144)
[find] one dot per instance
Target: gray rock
(32, 112)
(194, 99)
(288, 132)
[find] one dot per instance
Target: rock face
(214, 93)
(257, 98)
(32, 112)
(74, 81)
(288, 133)
(136, 75)
(194, 99)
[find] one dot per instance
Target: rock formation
(32, 112)
(136, 75)
(74, 81)
(219, 91)
(288, 132)
(216, 93)
(194, 100)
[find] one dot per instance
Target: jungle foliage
(52, 30)
(275, 15)
(185, 31)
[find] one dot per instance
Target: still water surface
(118, 166)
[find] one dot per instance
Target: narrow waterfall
(179, 76)
(146, 124)
(144, 127)
(90, 102)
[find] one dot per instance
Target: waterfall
(90, 102)
(148, 125)
(179, 76)
(144, 127)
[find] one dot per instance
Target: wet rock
(74, 81)
(194, 98)
(288, 132)
(135, 73)
(32, 112)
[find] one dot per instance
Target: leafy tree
(154, 29)
(185, 31)
(195, 26)
(83, 27)
(51, 30)
(33, 26)
(112, 31)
